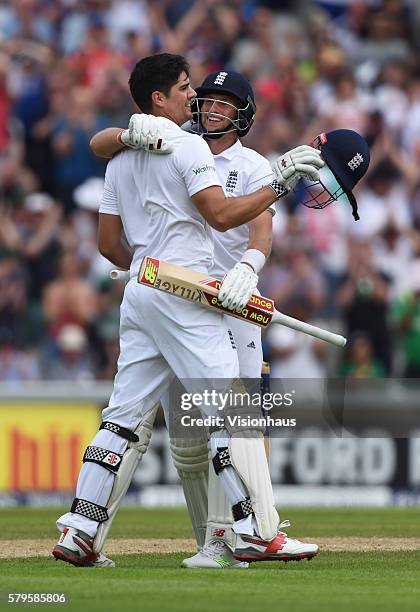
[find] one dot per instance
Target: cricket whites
(203, 289)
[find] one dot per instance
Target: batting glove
(147, 132)
(303, 161)
(238, 286)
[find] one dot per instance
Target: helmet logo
(355, 162)
(220, 79)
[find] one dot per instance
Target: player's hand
(303, 161)
(147, 132)
(238, 286)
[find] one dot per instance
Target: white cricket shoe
(75, 547)
(103, 561)
(214, 555)
(281, 548)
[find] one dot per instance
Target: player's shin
(131, 458)
(240, 461)
(191, 459)
(109, 464)
(220, 519)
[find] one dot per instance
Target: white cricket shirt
(152, 194)
(241, 171)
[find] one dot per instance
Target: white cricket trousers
(161, 336)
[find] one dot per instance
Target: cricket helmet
(347, 156)
(233, 84)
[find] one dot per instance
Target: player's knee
(190, 456)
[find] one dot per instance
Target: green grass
(340, 582)
(28, 523)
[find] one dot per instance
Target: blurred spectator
(293, 354)
(106, 327)
(84, 227)
(314, 65)
(392, 252)
(69, 357)
(69, 299)
(346, 106)
(360, 361)
(21, 19)
(31, 229)
(383, 201)
(73, 130)
(13, 299)
(406, 314)
(302, 280)
(363, 299)
(16, 365)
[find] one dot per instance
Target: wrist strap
(278, 189)
(119, 140)
(255, 259)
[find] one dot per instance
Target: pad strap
(221, 459)
(242, 509)
(120, 431)
(89, 510)
(107, 459)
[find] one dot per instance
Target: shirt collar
(230, 153)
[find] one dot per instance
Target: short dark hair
(155, 73)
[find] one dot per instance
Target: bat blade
(203, 289)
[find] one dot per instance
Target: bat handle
(311, 330)
(119, 274)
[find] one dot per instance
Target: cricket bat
(203, 289)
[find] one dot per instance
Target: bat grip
(311, 330)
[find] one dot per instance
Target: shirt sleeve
(109, 202)
(261, 177)
(196, 165)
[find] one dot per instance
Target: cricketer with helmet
(222, 113)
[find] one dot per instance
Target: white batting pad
(124, 476)
(250, 462)
(191, 459)
(220, 519)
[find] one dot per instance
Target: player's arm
(223, 213)
(110, 241)
(241, 281)
(107, 143)
(110, 228)
(261, 233)
(144, 132)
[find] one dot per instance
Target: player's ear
(158, 98)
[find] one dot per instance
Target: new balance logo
(219, 533)
(251, 345)
(220, 79)
(354, 163)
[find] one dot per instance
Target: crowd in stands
(314, 66)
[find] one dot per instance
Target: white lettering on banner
(315, 459)
(343, 460)
(279, 457)
(414, 459)
(378, 460)
(308, 459)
